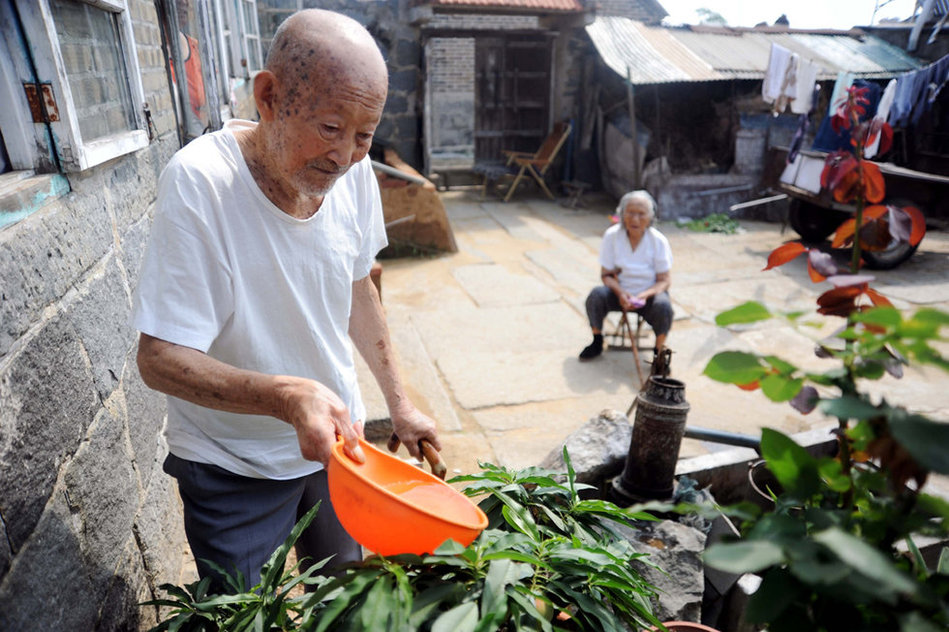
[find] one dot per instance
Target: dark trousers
(657, 311)
(237, 522)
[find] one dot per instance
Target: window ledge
(23, 193)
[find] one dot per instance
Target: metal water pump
(659, 426)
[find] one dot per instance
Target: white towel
(807, 72)
(779, 62)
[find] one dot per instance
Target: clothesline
(790, 79)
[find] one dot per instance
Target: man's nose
(342, 151)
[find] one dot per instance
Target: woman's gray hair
(641, 195)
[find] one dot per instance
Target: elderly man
(255, 280)
(635, 264)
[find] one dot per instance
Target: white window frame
(74, 154)
(248, 39)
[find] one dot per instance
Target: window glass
(95, 68)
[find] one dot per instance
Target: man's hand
(319, 416)
(411, 426)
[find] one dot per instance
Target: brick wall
(89, 524)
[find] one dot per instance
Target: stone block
(103, 496)
(48, 586)
(127, 588)
(100, 317)
(407, 127)
(134, 243)
(159, 530)
(597, 449)
(406, 52)
(145, 416)
(673, 565)
(6, 555)
(48, 403)
(396, 104)
(42, 256)
(404, 80)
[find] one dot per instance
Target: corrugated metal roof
(657, 54)
(651, 55)
(520, 5)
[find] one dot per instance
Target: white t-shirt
(638, 268)
(230, 274)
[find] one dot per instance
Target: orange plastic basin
(392, 507)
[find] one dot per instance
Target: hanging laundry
(775, 76)
(806, 78)
(883, 113)
(826, 138)
(915, 92)
(844, 81)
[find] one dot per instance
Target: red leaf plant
(851, 179)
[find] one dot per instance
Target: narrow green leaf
(379, 604)
(749, 312)
(942, 566)
(520, 518)
(735, 367)
(744, 557)
(429, 601)
(500, 573)
(461, 618)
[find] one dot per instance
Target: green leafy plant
(839, 551)
(548, 560)
(714, 223)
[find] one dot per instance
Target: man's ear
(265, 93)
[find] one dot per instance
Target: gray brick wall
(89, 524)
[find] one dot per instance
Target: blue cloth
(915, 92)
(827, 139)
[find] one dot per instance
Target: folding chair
(520, 164)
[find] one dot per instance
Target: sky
(806, 14)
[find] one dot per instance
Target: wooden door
(512, 94)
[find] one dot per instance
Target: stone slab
(493, 284)
(421, 382)
(505, 378)
(462, 329)
(567, 269)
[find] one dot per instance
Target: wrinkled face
(320, 133)
(636, 217)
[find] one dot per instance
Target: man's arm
(370, 334)
(316, 413)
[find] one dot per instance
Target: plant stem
(858, 221)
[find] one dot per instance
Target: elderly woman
(635, 260)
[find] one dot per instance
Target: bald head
(320, 49)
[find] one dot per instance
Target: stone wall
(89, 524)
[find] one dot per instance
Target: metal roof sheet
(649, 55)
(657, 54)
